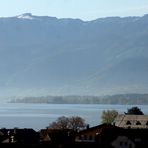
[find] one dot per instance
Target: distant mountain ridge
(41, 55)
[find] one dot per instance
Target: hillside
(41, 55)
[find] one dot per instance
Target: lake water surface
(38, 116)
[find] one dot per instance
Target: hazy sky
(83, 9)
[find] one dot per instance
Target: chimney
(87, 126)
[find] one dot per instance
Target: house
(2, 136)
(8, 135)
(123, 137)
(111, 136)
(26, 135)
(91, 134)
(106, 135)
(23, 136)
(44, 137)
(56, 136)
(131, 121)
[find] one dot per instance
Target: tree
(134, 111)
(74, 123)
(108, 116)
(60, 123)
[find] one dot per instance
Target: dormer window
(138, 123)
(128, 123)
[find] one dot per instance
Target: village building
(90, 134)
(132, 121)
(16, 135)
(106, 135)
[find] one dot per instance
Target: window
(121, 143)
(128, 123)
(130, 145)
(82, 137)
(138, 123)
(90, 137)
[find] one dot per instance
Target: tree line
(135, 99)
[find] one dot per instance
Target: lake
(38, 116)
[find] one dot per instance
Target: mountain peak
(26, 16)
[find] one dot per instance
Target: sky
(82, 9)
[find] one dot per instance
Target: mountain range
(42, 55)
